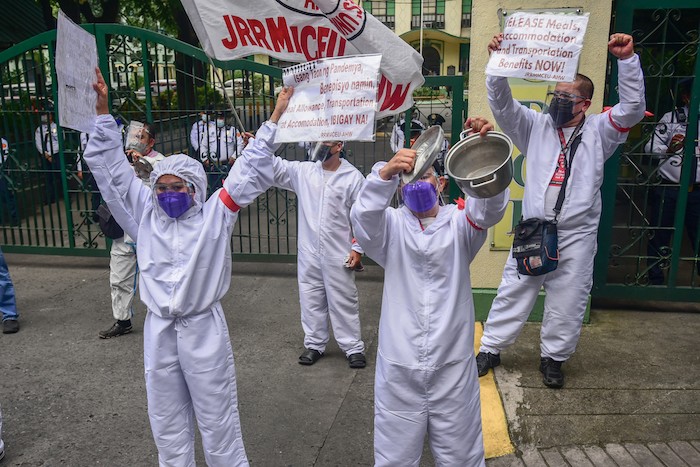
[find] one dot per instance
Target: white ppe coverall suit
(426, 378)
(185, 266)
(568, 286)
(326, 287)
(123, 270)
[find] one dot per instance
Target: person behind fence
(86, 176)
(123, 267)
(327, 258)
(398, 140)
(667, 142)
(46, 142)
(184, 254)
(219, 148)
(200, 128)
(549, 142)
(8, 303)
(425, 378)
(437, 119)
(8, 206)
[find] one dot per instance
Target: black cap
(435, 119)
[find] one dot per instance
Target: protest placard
(76, 59)
(540, 46)
(334, 99)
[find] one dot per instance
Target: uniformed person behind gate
(219, 148)
(46, 142)
(667, 143)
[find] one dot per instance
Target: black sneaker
(116, 330)
(552, 376)
(10, 326)
(485, 361)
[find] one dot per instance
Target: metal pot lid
(427, 148)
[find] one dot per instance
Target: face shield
(174, 198)
(137, 137)
(322, 150)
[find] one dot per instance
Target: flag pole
(239, 123)
(421, 29)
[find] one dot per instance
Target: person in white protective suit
(327, 257)
(541, 138)
(425, 382)
(123, 268)
(183, 250)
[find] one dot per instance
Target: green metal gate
(47, 198)
(645, 251)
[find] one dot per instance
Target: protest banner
(539, 46)
(305, 30)
(334, 99)
(76, 59)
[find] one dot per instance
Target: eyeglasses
(564, 96)
(177, 186)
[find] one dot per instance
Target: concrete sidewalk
(69, 398)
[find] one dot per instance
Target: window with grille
(433, 14)
(383, 10)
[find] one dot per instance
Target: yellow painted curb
(493, 416)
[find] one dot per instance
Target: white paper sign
(76, 59)
(334, 99)
(540, 46)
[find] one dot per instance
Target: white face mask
(220, 123)
(204, 117)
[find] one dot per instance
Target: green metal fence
(647, 246)
(47, 196)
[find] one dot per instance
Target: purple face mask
(419, 196)
(174, 203)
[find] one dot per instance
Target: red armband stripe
(473, 224)
(616, 126)
(228, 201)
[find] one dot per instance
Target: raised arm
(123, 192)
(252, 174)
(630, 83)
(369, 215)
(512, 117)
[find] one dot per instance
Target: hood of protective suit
(188, 169)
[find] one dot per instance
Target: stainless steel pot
(482, 167)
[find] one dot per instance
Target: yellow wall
(488, 265)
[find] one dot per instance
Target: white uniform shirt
(324, 208)
(220, 144)
(535, 135)
(427, 318)
(45, 139)
(199, 128)
(670, 164)
(397, 137)
(185, 263)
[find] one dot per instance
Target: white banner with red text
(540, 46)
(305, 30)
(334, 99)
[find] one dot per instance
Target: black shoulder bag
(535, 244)
(108, 224)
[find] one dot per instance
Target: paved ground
(71, 399)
